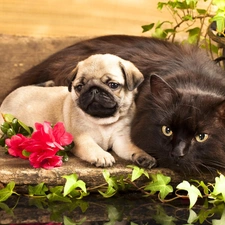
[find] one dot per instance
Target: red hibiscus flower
(46, 137)
(43, 159)
(16, 145)
(43, 145)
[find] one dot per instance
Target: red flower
(16, 145)
(46, 137)
(42, 146)
(42, 159)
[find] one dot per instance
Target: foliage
(74, 190)
(191, 21)
(159, 183)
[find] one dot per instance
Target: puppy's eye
(201, 137)
(79, 87)
(113, 85)
(167, 131)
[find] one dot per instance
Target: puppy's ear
(72, 77)
(133, 76)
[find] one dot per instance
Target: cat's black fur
(192, 107)
(186, 95)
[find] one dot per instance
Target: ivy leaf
(57, 197)
(78, 194)
(112, 185)
(193, 217)
(114, 215)
(160, 184)
(193, 35)
(202, 11)
(220, 21)
(220, 221)
(38, 190)
(162, 218)
(6, 192)
(109, 192)
(147, 27)
(193, 192)
(110, 180)
(219, 190)
(137, 172)
(72, 183)
(219, 3)
(6, 208)
(68, 221)
(8, 118)
(203, 185)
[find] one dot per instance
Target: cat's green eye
(167, 131)
(201, 137)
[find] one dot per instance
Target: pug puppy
(97, 110)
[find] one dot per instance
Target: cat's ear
(160, 89)
(221, 110)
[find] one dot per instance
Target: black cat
(180, 116)
(180, 120)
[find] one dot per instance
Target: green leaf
(203, 185)
(57, 197)
(193, 192)
(201, 11)
(160, 5)
(4, 127)
(112, 185)
(6, 192)
(219, 188)
(109, 192)
(38, 190)
(72, 183)
(8, 118)
(219, 3)
(114, 215)
(160, 184)
(137, 172)
(147, 27)
(110, 180)
(26, 153)
(193, 217)
(162, 218)
(193, 35)
(68, 221)
(29, 130)
(220, 221)
(187, 17)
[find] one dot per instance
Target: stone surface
(19, 53)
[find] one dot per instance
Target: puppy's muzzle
(97, 102)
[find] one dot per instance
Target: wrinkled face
(184, 131)
(103, 85)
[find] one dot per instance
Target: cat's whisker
(215, 164)
(210, 169)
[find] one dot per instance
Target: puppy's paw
(144, 160)
(103, 159)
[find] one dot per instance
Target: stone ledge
(22, 173)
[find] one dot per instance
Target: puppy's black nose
(94, 91)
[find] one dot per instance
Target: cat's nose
(179, 150)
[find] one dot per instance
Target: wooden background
(59, 18)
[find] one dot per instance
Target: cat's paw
(104, 159)
(144, 160)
